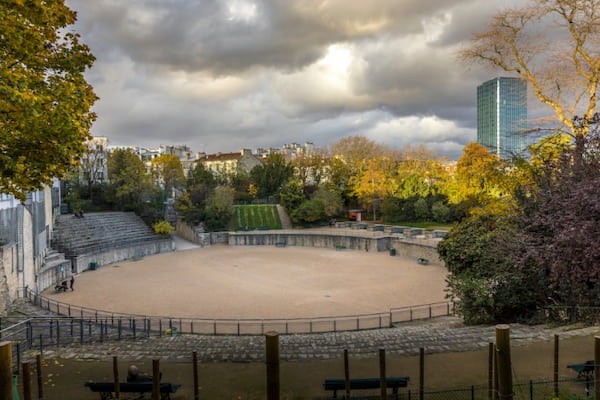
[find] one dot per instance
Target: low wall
(410, 249)
(112, 255)
(195, 235)
(47, 277)
(364, 243)
(9, 277)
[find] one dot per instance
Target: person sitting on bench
(134, 375)
(62, 286)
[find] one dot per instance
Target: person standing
(72, 282)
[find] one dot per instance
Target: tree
(479, 177)
(373, 182)
(168, 172)
(132, 184)
(199, 176)
(562, 241)
(481, 254)
(45, 101)
(219, 208)
(553, 45)
(270, 176)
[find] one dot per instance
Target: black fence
(158, 325)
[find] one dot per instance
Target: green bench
(280, 244)
(366, 383)
(339, 247)
(106, 389)
(584, 370)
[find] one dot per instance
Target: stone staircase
(55, 259)
(98, 231)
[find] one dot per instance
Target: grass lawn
(262, 216)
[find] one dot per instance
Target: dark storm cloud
(219, 75)
(226, 37)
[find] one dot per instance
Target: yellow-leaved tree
(45, 101)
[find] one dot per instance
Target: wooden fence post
(195, 372)
(346, 374)
(490, 370)
(382, 374)
(155, 379)
(597, 366)
(272, 356)
(40, 381)
(556, 365)
(504, 362)
(6, 385)
(421, 373)
(26, 381)
(116, 377)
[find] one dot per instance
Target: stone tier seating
(99, 231)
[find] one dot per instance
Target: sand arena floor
(258, 282)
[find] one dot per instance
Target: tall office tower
(502, 116)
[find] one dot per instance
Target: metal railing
(157, 325)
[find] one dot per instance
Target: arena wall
(407, 248)
(111, 255)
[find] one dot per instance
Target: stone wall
(9, 277)
(404, 248)
(112, 255)
(196, 235)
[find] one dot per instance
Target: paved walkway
(286, 223)
(443, 334)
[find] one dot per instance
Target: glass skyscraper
(502, 116)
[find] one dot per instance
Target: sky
(222, 75)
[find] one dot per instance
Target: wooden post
(40, 382)
(116, 377)
(382, 374)
(195, 371)
(556, 365)
(490, 370)
(26, 381)
(272, 356)
(597, 366)
(155, 379)
(495, 361)
(421, 373)
(6, 385)
(504, 362)
(346, 374)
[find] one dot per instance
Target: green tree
(270, 176)
(45, 101)
(219, 208)
(481, 254)
(131, 183)
(292, 195)
(200, 175)
(168, 172)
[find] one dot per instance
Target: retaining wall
(112, 255)
(404, 248)
(195, 235)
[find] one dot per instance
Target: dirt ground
(258, 282)
(64, 379)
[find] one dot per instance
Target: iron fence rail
(250, 326)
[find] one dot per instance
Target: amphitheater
(309, 280)
(91, 323)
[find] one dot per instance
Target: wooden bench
(339, 247)
(280, 244)
(584, 370)
(393, 382)
(106, 389)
